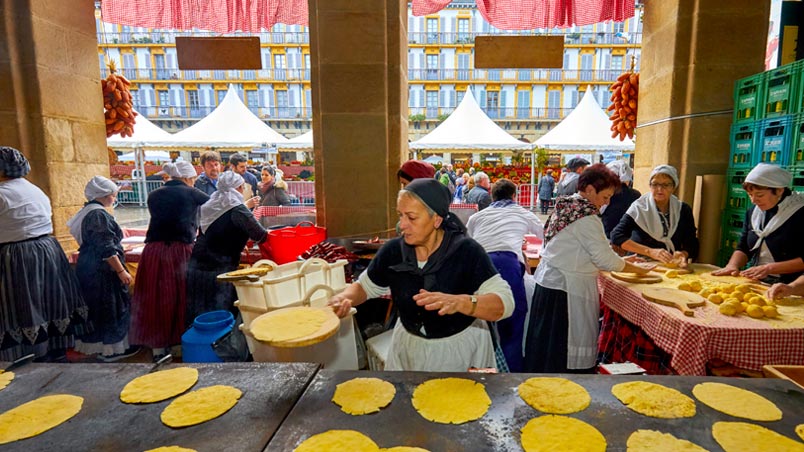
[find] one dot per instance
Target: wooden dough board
(327, 330)
(680, 271)
(675, 298)
(650, 278)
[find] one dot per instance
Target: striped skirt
(160, 297)
(41, 306)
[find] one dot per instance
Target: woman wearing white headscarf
(160, 292)
(658, 224)
(226, 225)
(622, 199)
(102, 274)
(771, 239)
(41, 308)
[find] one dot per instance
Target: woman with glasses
(770, 241)
(659, 225)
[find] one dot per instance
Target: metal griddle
(400, 424)
(106, 424)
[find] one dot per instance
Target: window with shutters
(523, 104)
(282, 103)
(463, 66)
(431, 106)
(129, 66)
(164, 102)
(432, 31)
(493, 104)
(554, 104)
(463, 31)
(159, 64)
(192, 104)
(432, 67)
(221, 95)
(279, 66)
(587, 62)
(574, 99)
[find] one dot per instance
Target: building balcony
(218, 76)
(182, 112)
(513, 75)
(420, 38)
(440, 38)
(497, 113)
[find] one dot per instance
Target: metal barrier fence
(131, 193)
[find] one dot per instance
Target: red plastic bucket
(286, 244)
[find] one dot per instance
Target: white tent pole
(532, 178)
(139, 156)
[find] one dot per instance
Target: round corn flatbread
(171, 449)
(800, 431)
(288, 325)
(653, 441)
(745, 437)
(38, 416)
(654, 400)
(159, 386)
(451, 400)
(554, 395)
(5, 379)
(259, 271)
(554, 433)
(736, 402)
(200, 406)
(363, 395)
(338, 441)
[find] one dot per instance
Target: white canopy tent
(160, 156)
(144, 132)
(301, 142)
(586, 128)
(230, 126)
(468, 128)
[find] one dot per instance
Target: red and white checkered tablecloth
(272, 211)
(693, 341)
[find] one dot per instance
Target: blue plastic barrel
(196, 343)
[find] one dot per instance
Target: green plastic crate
(737, 198)
(781, 88)
(773, 142)
(799, 105)
(736, 176)
(797, 144)
(730, 238)
(798, 179)
(743, 142)
(733, 218)
(749, 95)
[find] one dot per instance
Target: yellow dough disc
(554, 395)
(5, 379)
(653, 441)
(561, 433)
(800, 431)
(171, 449)
(287, 326)
(737, 402)
(159, 386)
(745, 437)
(654, 400)
(200, 406)
(404, 449)
(38, 416)
(338, 441)
(363, 395)
(451, 400)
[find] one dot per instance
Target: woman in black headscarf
(41, 308)
(442, 282)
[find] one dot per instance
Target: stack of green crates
(768, 127)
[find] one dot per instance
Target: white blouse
(25, 211)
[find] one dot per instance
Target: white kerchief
(222, 200)
(622, 170)
(766, 175)
(98, 187)
(180, 169)
(77, 220)
(787, 208)
(646, 215)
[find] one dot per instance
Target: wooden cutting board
(650, 278)
(327, 330)
(680, 271)
(675, 298)
(727, 279)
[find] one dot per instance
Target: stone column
(359, 56)
(51, 105)
(692, 53)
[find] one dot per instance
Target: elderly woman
(771, 239)
(102, 273)
(160, 298)
(658, 224)
(442, 282)
(272, 195)
(414, 169)
(563, 326)
(41, 307)
(226, 225)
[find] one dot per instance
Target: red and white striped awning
(227, 16)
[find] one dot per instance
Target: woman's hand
(727, 271)
(125, 277)
(681, 258)
(642, 269)
(758, 272)
(253, 202)
(443, 303)
(634, 259)
(340, 305)
(779, 290)
(660, 254)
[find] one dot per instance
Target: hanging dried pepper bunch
(117, 104)
(624, 97)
